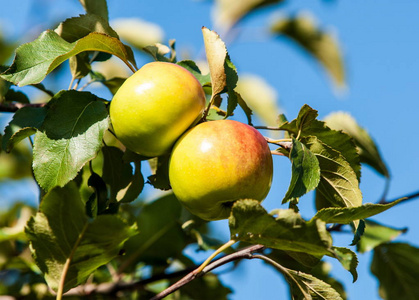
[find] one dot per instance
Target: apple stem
(274, 152)
(211, 257)
(211, 102)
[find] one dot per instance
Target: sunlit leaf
(305, 286)
(368, 150)
(338, 185)
(306, 124)
(37, 59)
(348, 259)
(322, 272)
(216, 55)
(396, 266)
(76, 28)
(345, 215)
(321, 44)
(376, 234)
(249, 222)
(66, 245)
(222, 71)
(71, 135)
(305, 174)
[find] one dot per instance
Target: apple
(155, 106)
(218, 162)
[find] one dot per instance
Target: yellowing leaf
(216, 55)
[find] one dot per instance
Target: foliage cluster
(93, 233)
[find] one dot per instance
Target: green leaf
(306, 125)
(35, 60)
(98, 202)
(134, 188)
(348, 259)
(368, 150)
(338, 185)
(96, 7)
(359, 232)
(66, 245)
(345, 215)
(190, 65)
(247, 110)
(305, 286)
(396, 265)
(322, 272)
(13, 223)
(249, 222)
(295, 260)
(116, 172)
(16, 96)
(320, 44)
(114, 84)
(75, 28)
(305, 174)
(161, 235)
(160, 170)
(232, 78)
(376, 234)
(228, 13)
(26, 121)
(158, 52)
(71, 135)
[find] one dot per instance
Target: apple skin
(155, 106)
(218, 162)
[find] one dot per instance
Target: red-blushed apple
(218, 162)
(155, 106)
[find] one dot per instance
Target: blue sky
(380, 46)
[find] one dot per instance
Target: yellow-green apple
(155, 106)
(218, 162)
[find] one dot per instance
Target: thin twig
(15, 106)
(405, 198)
(243, 253)
(267, 127)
